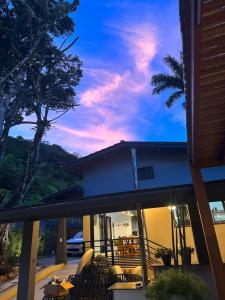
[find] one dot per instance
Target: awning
(203, 31)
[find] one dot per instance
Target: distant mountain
(51, 176)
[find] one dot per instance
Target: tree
(48, 93)
(173, 82)
(23, 26)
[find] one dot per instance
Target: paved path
(69, 269)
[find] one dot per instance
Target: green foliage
(160, 252)
(189, 250)
(183, 285)
(173, 82)
(51, 177)
(14, 247)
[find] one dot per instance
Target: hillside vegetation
(50, 176)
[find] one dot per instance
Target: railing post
(142, 245)
(92, 235)
(105, 236)
(112, 251)
(61, 255)
(172, 232)
(28, 261)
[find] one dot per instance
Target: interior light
(172, 207)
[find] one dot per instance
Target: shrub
(160, 252)
(182, 285)
(14, 247)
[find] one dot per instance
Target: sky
(122, 44)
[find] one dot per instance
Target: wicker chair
(93, 282)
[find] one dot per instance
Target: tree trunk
(32, 160)
(3, 141)
(4, 240)
(2, 118)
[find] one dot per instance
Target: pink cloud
(141, 42)
(90, 139)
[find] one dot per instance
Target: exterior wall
(171, 168)
(158, 225)
(86, 228)
(111, 174)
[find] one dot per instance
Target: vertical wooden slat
(218, 269)
(61, 255)
(26, 284)
(142, 245)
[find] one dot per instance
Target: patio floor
(69, 269)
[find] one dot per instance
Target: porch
(137, 201)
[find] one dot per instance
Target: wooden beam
(198, 233)
(92, 233)
(142, 245)
(26, 284)
(217, 267)
(61, 255)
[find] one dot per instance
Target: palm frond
(175, 96)
(163, 82)
(175, 65)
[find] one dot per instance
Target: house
(128, 168)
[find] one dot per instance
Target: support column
(198, 233)
(142, 245)
(61, 255)
(92, 235)
(218, 269)
(26, 284)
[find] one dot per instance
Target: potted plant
(188, 251)
(165, 254)
(177, 285)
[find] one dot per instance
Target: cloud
(88, 139)
(141, 42)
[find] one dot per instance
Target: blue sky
(122, 43)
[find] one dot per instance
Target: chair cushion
(85, 260)
(117, 270)
(137, 271)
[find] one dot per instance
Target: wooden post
(142, 245)
(26, 284)
(198, 233)
(218, 270)
(92, 235)
(61, 255)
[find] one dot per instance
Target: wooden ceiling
(203, 31)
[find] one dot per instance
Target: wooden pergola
(203, 32)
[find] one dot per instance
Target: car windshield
(78, 235)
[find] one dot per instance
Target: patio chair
(120, 276)
(92, 280)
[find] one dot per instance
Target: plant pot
(166, 260)
(188, 258)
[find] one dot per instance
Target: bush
(14, 247)
(160, 252)
(182, 285)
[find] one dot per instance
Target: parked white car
(75, 245)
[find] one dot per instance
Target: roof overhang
(148, 198)
(203, 33)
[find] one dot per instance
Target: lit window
(217, 211)
(145, 173)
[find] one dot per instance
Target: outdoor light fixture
(172, 207)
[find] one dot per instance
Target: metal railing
(125, 251)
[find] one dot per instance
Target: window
(217, 211)
(145, 173)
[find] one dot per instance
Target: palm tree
(173, 81)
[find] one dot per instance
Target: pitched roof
(76, 167)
